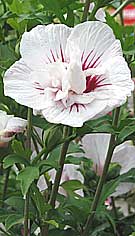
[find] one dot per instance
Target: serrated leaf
(27, 176)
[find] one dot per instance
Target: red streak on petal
(84, 67)
(53, 56)
(38, 86)
(94, 82)
(82, 56)
(93, 65)
(62, 55)
(77, 106)
(49, 60)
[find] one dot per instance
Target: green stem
(28, 145)
(26, 216)
(119, 9)
(92, 15)
(35, 133)
(35, 144)
(121, 14)
(29, 128)
(39, 155)
(67, 132)
(118, 230)
(102, 178)
(86, 9)
(5, 185)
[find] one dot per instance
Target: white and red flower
(71, 75)
(9, 126)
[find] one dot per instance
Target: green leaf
(39, 200)
(72, 185)
(70, 18)
(41, 122)
(19, 149)
(52, 222)
(13, 220)
(99, 229)
(55, 7)
(15, 202)
(74, 148)
(117, 29)
(75, 160)
(108, 189)
(27, 176)
(58, 232)
(12, 159)
(98, 125)
(125, 132)
(53, 136)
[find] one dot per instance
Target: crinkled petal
(19, 85)
(94, 40)
(44, 44)
(74, 115)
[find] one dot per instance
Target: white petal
(74, 116)
(123, 188)
(4, 119)
(94, 39)
(125, 155)
(91, 7)
(16, 125)
(44, 44)
(96, 147)
(119, 76)
(18, 84)
(100, 15)
(4, 139)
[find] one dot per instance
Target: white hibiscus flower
(9, 126)
(71, 75)
(96, 147)
(70, 172)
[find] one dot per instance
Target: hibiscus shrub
(67, 118)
